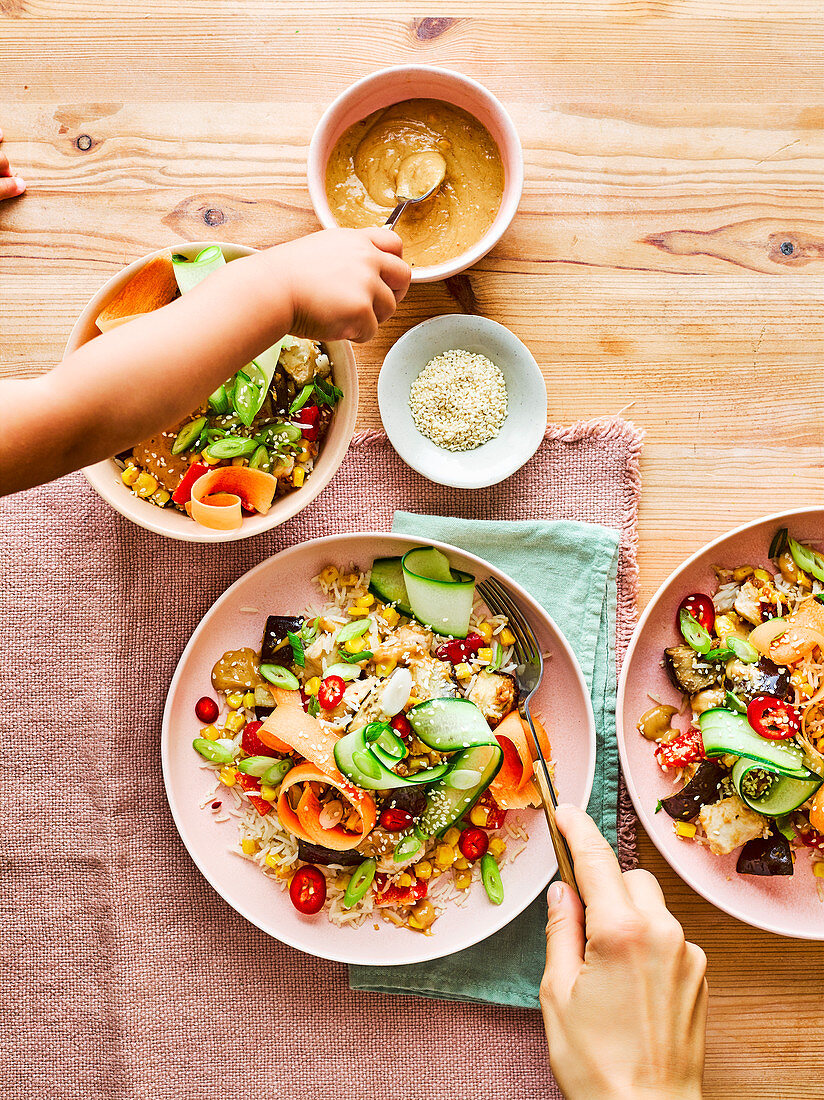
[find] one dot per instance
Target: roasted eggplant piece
(275, 649)
(412, 799)
(769, 855)
(763, 678)
(689, 671)
(264, 702)
(703, 789)
(316, 853)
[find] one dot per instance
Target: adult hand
(342, 283)
(10, 186)
(624, 997)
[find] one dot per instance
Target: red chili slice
(685, 749)
(701, 607)
(773, 718)
(402, 727)
(331, 692)
(307, 890)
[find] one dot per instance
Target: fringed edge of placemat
(609, 429)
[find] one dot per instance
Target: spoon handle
(396, 213)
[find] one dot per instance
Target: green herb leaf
(356, 658)
(659, 806)
(301, 398)
(297, 648)
(314, 706)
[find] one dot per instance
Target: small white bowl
(521, 432)
(104, 477)
(388, 86)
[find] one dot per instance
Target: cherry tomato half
(701, 608)
(308, 890)
(331, 692)
(394, 819)
(206, 710)
(251, 743)
(402, 727)
(773, 718)
(474, 843)
(460, 648)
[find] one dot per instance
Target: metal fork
(528, 674)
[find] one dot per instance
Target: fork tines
(526, 644)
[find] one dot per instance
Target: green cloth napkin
(570, 569)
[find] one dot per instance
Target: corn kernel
(268, 793)
(234, 722)
(507, 637)
(270, 861)
(463, 880)
(234, 700)
(161, 498)
(298, 477)
(413, 922)
(452, 836)
(248, 845)
(312, 685)
(412, 701)
(383, 668)
(130, 475)
(461, 864)
(228, 776)
(685, 829)
(478, 815)
(424, 869)
(742, 572)
(354, 645)
(208, 459)
(249, 700)
(365, 601)
(211, 733)
(304, 454)
(357, 612)
(391, 616)
(404, 879)
(818, 869)
(239, 461)
(145, 484)
(328, 575)
(463, 671)
(485, 654)
(348, 578)
(497, 846)
(762, 575)
(485, 631)
(444, 855)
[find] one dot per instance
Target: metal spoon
(429, 166)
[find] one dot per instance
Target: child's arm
(10, 186)
(127, 385)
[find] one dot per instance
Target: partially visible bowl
(525, 424)
(104, 476)
(388, 86)
(787, 906)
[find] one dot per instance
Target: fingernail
(555, 894)
(21, 183)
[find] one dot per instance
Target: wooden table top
(667, 258)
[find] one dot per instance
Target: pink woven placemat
(125, 977)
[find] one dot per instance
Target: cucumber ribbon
(247, 391)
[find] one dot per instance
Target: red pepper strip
(183, 493)
(773, 718)
(398, 895)
(249, 783)
(309, 415)
(687, 748)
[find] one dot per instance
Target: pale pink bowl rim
(325, 135)
(104, 476)
(640, 803)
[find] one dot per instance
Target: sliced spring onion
(301, 398)
(359, 883)
(309, 631)
(732, 702)
(298, 656)
(275, 775)
(462, 779)
(406, 848)
(232, 446)
(188, 435)
(358, 658)
(346, 672)
(246, 398)
(743, 650)
(355, 629)
(260, 459)
(256, 765)
(694, 633)
(491, 878)
(219, 401)
(497, 657)
(279, 676)
(210, 750)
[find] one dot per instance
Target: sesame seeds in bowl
(462, 400)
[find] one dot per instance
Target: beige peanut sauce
(406, 145)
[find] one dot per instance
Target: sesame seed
(459, 400)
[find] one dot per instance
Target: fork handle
(549, 801)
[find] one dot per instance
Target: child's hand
(342, 283)
(623, 996)
(10, 186)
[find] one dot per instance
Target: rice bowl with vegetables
(213, 818)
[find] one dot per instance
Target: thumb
(565, 938)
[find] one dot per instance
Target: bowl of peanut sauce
(389, 130)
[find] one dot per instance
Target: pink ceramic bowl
(104, 477)
(786, 906)
(282, 585)
(388, 86)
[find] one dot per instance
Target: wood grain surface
(667, 259)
